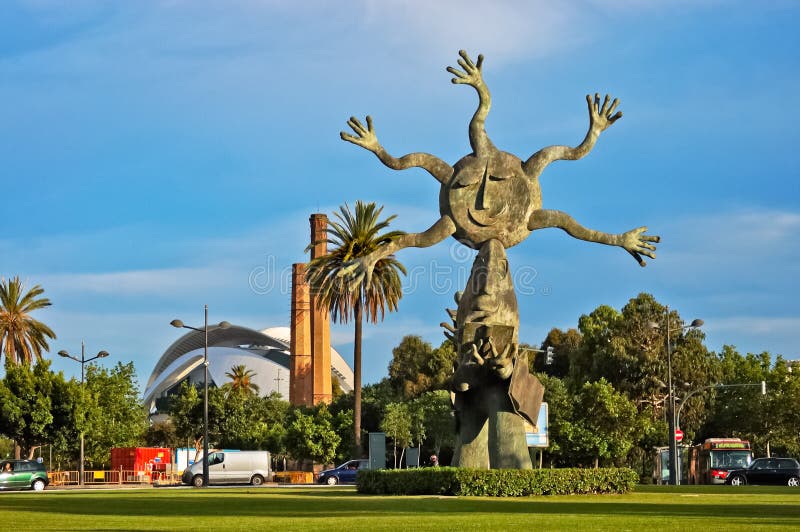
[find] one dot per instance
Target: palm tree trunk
(357, 311)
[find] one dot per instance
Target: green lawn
(341, 508)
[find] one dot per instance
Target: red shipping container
(141, 460)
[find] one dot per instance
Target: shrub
(495, 482)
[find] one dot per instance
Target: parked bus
(710, 461)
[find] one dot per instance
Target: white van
(230, 467)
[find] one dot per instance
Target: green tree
(186, 412)
(441, 365)
(436, 412)
(240, 426)
(6, 448)
(310, 434)
(27, 397)
(253, 422)
(273, 412)
(115, 416)
(783, 394)
(22, 338)
(343, 425)
(565, 345)
(768, 421)
(353, 236)
(374, 399)
(560, 404)
(63, 431)
(241, 381)
(162, 434)
(417, 368)
(625, 349)
(406, 368)
(605, 426)
(397, 423)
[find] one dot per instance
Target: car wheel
(794, 482)
(257, 480)
(738, 480)
(197, 481)
(38, 485)
(331, 481)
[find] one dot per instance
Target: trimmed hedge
(495, 482)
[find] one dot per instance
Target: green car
(23, 475)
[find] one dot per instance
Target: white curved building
(265, 352)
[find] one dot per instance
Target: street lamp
(83, 360)
(222, 325)
(673, 448)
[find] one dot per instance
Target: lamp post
(83, 360)
(222, 325)
(673, 447)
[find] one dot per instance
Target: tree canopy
(22, 338)
(355, 235)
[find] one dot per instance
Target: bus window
(730, 459)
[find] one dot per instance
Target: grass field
(341, 508)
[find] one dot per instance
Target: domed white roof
(265, 352)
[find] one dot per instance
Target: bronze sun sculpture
(491, 200)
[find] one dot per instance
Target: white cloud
(137, 282)
(505, 31)
(746, 244)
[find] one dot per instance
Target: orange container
(144, 459)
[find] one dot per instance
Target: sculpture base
(491, 435)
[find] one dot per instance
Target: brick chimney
(320, 320)
(300, 373)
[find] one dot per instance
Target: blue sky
(158, 156)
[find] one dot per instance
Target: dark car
(344, 474)
(23, 475)
(785, 471)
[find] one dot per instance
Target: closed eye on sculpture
(465, 182)
(466, 179)
(498, 178)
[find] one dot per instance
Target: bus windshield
(730, 459)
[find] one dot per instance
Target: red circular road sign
(678, 435)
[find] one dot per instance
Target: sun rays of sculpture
(490, 200)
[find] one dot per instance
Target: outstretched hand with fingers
(471, 74)
(364, 136)
(601, 117)
(358, 270)
(637, 244)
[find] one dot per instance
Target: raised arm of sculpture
(634, 241)
(600, 119)
(472, 76)
(366, 138)
(363, 267)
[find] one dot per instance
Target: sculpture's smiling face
(488, 198)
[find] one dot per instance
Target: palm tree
(22, 338)
(351, 237)
(241, 380)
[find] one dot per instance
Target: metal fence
(114, 476)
